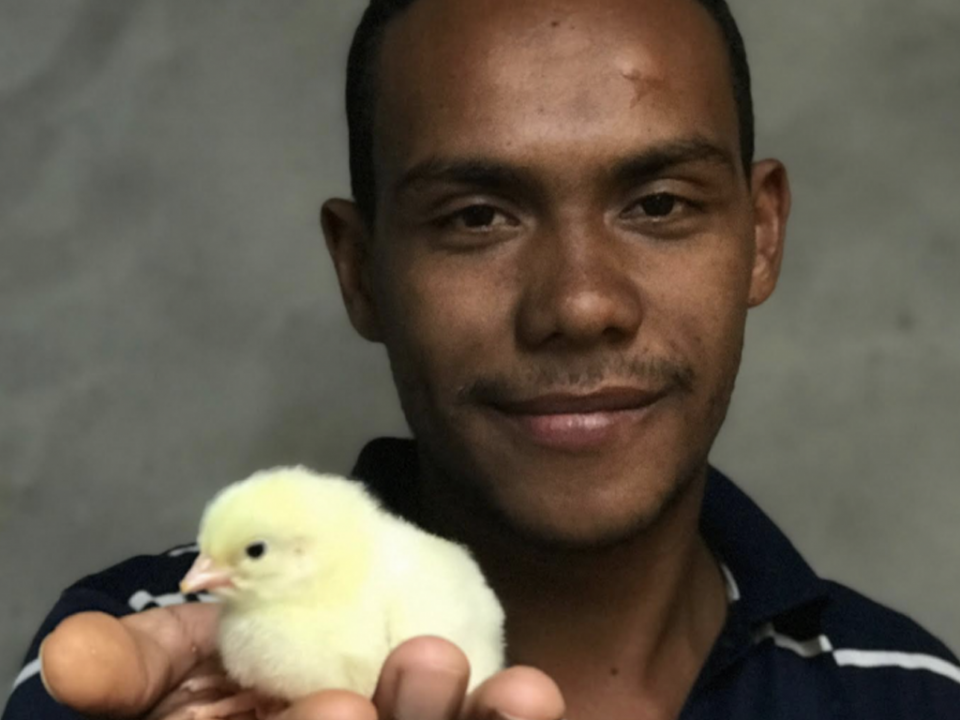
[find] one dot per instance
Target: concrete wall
(169, 319)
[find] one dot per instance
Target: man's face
(564, 253)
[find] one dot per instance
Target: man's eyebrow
(480, 173)
(652, 162)
(487, 174)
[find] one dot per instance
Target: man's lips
(579, 422)
(601, 401)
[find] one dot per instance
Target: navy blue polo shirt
(794, 646)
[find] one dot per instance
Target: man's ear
(348, 241)
(771, 208)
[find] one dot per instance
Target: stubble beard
(461, 493)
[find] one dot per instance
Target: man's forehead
(511, 33)
(459, 74)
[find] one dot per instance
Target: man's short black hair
(361, 91)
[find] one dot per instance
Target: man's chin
(544, 500)
(585, 527)
(565, 538)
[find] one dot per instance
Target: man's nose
(580, 289)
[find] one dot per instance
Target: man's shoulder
(889, 665)
(839, 648)
(853, 620)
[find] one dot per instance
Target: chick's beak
(205, 575)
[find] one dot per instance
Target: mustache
(581, 376)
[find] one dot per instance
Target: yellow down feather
(323, 583)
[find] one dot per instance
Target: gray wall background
(169, 321)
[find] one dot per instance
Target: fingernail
(429, 694)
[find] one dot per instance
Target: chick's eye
(256, 550)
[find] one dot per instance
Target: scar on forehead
(642, 83)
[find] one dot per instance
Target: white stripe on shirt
(185, 550)
(846, 657)
(30, 670)
(906, 661)
(733, 590)
(804, 648)
(141, 598)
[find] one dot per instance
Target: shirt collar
(772, 580)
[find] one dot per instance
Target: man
(557, 232)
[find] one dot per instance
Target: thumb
(517, 693)
(100, 665)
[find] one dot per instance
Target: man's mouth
(579, 422)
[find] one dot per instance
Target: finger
(204, 685)
(423, 679)
(189, 712)
(99, 665)
(330, 705)
(519, 693)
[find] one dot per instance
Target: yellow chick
(319, 584)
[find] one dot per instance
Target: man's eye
(660, 205)
(477, 218)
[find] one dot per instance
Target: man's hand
(161, 664)
(156, 664)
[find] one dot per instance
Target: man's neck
(624, 630)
